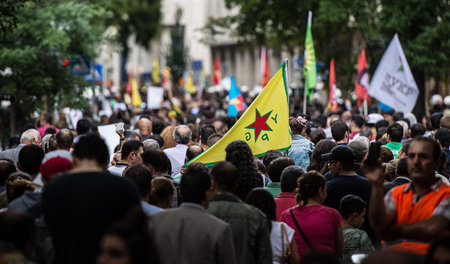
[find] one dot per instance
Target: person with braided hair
(240, 155)
(301, 149)
(317, 227)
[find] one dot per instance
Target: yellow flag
(135, 96)
(264, 125)
(155, 73)
(127, 99)
(189, 85)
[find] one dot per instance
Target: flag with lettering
(393, 83)
(235, 100)
(264, 125)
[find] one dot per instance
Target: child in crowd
(353, 210)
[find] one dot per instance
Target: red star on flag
(260, 123)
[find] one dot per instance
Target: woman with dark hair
(322, 147)
(317, 227)
(127, 242)
(281, 235)
(240, 155)
(301, 148)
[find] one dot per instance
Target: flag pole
(365, 105)
(304, 99)
(305, 56)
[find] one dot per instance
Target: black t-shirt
(77, 209)
(342, 185)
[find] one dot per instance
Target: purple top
(318, 222)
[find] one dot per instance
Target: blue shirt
(301, 151)
(150, 209)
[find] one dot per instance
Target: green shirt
(394, 147)
(274, 188)
(356, 241)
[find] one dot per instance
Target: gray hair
(362, 139)
(45, 140)
(151, 144)
(359, 148)
(182, 134)
(29, 135)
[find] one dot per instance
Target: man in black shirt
(345, 181)
(79, 205)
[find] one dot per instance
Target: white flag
(393, 83)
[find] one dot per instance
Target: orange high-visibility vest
(407, 213)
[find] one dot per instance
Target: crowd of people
(66, 199)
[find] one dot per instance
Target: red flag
(332, 83)
(217, 73)
(264, 67)
(362, 80)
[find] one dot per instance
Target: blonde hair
(167, 135)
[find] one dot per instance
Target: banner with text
(393, 83)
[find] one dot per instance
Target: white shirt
(117, 170)
(275, 240)
(177, 156)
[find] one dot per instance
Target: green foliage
(8, 18)
(283, 23)
(140, 18)
(176, 57)
(338, 26)
(48, 32)
(423, 28)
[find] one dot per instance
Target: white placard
(154, 97)
(108, 133)
(393, 83)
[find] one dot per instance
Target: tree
(47, 33)
(8, 17)
(139, 18)
(423, 29)
(338, 25)
(279, 24)
(176, 57)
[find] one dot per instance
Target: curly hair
(16, 184)
(240, 155)
(322, 147)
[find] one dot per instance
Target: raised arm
(380, 218)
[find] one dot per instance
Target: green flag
(309, 70)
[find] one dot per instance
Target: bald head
(193, 151)
(182, 134)
(30, 136)
(64, 139)
(145, 126)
